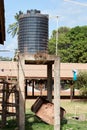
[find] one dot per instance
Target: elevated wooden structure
(37, 59)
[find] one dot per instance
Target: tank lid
(32, 12)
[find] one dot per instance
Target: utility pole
(56, 50)
(57, 36)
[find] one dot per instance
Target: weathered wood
(49, 82)
(4, 108)
(57, 94)
(6, 103)
(21, 94)
(38, 59)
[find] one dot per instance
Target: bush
(83, 91)
(81, 83)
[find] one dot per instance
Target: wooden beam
(21, 94)
(57, 94)
(49, 82)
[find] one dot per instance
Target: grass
(73, 109)
(76, 106)
(31, 123)
(75, 125)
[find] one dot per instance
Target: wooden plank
(49, 82)
(21, 94)
(57, 94)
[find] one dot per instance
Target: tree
(72, 44)
(62, 40)
(78, 39)
(5, 58)
(14, 28)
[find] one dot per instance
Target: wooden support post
(57, 94)
(21, 94)
(49, 82)
(33, 88)
(4, 107)
(72, 92)
(26, 90)
(17, 108)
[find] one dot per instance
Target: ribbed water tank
(33, 32)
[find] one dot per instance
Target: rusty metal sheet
(45, 110)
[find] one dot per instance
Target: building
(9, 69)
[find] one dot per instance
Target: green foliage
(78, 39)
(5, 58)
(61, 40)
(72, 44)
(51, 47)
(81, 80)
(83, 91)
(81, 83)
(14, 28)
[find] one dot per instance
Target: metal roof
(9, 68)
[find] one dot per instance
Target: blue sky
(70, 15)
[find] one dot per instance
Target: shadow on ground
(32, 122)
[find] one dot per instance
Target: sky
(70, 14)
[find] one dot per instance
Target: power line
(75, 2)
(7, 50)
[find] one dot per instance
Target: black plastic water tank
(33, 32)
